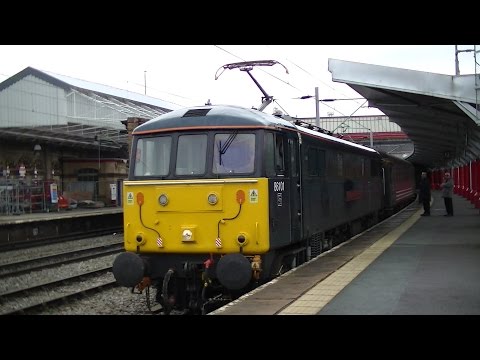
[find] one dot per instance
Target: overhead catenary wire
(162, 91)
(295, 87)
(311, 75)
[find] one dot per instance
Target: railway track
(45, 279)
(58, 259)
(59, 238)
(50, 293)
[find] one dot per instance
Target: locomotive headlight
(187, 235)
(212, 198)
(163, 200)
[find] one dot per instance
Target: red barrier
(62, 202)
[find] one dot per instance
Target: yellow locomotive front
(196, 210)
(198, 216)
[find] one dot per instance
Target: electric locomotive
(220, 199)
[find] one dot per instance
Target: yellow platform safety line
(321, 294)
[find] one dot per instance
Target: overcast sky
(185, 74)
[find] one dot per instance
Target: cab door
(295, 189)
(277, 170)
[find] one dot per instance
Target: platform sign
(113, 192)
(53, 193)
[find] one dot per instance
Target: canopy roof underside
(437, 112)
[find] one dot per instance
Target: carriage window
(152, 156)
(233, 153)
(191, 155)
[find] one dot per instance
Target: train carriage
(399, 177)
(222, 198)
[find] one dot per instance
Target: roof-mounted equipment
(247, 66)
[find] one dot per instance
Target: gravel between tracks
(114, 301)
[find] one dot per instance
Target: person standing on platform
(447, 193)
(425, 194)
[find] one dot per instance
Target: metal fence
(18, 197)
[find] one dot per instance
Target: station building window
(88, 179)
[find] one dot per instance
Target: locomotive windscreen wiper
(223, 149)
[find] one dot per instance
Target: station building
(66, 131)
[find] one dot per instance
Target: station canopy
(439, 113)
(49, 108)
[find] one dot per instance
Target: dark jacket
(424, 193)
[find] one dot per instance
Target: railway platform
(406, 265)
(53, 215)
(30, 228)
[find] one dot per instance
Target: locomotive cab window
(233, 153)
(152, 156)
(191, 155)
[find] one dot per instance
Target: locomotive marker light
(240, 196)
(212, 198)
(163, 199)
(140, 198)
